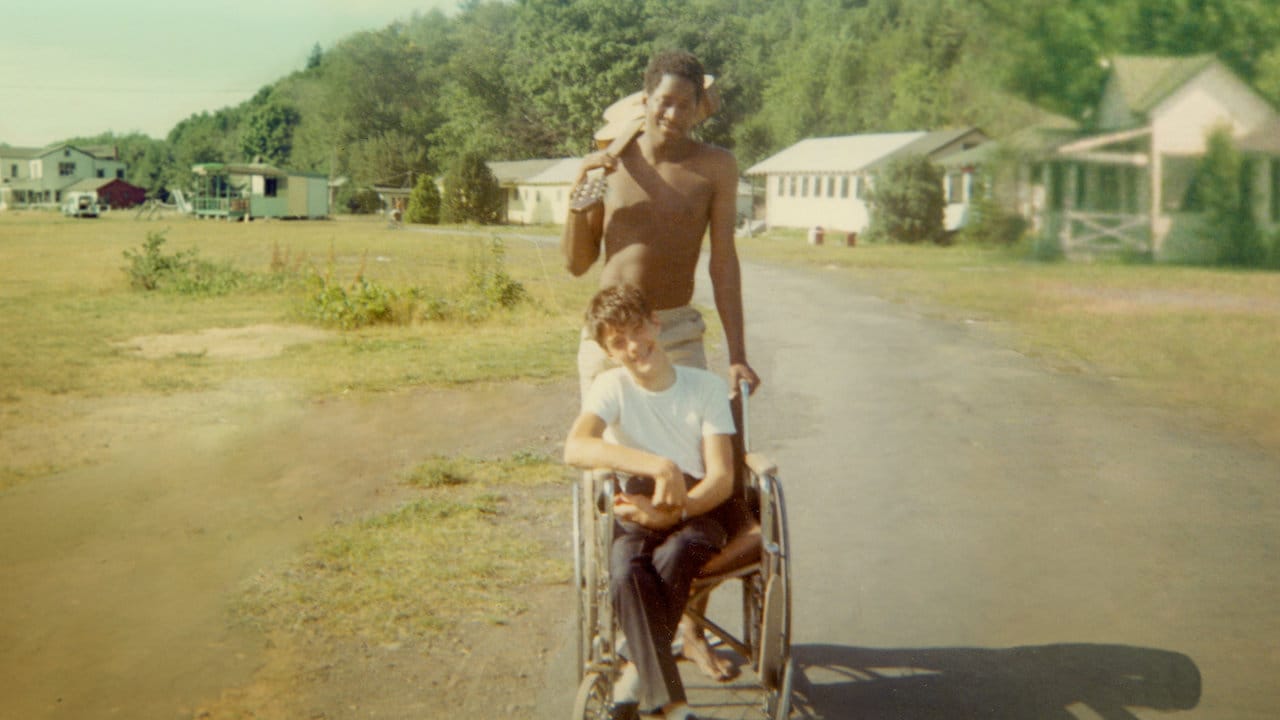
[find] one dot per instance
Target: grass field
(67, 311)
(1203, 340)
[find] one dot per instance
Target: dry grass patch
(464, 551)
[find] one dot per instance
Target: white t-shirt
(670, 423)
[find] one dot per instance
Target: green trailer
(237, 191)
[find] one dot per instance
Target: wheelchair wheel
(594, 695)
(585, 577)
(773, 646)
(777, 703)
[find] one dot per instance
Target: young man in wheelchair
(673, 424)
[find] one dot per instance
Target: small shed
(109, 193)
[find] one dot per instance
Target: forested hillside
(529, 78)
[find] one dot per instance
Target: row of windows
(536, 195)
(831, 186)
(821, 186)
(65, 169)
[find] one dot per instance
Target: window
(102, 173)
(860, 187)
(271, 187)
(120, 174)
(804, 186)
(781, 185)
(66, 169)
(955, 187)
(37, 169)
(844, 186)
(791, 183)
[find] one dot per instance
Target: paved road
(976, 536)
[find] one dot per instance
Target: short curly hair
(618, 307)
(681, 63)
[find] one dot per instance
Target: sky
(83, 67)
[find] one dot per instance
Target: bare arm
(583, 230)
(726, 274)
(585, 448)
(717, 486)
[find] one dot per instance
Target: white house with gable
(1130, 181)
(824, 182)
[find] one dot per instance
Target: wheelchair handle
(744, 392)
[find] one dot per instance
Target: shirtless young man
(665, 190)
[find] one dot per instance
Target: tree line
(529, 78)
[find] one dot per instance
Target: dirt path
(118, 574)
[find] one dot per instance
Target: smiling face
(635, 347)
(671, 109)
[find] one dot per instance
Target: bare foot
(699, 652)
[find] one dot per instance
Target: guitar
(624, 121)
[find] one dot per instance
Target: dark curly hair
(619, 307)
(681, 63)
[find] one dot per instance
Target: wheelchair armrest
(759, 464)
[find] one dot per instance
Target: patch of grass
(528, 468)
(67, 310)
(1194, 338)
(460, 553)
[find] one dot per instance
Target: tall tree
(574, 60)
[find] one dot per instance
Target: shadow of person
(1021, 683)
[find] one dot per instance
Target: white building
(1130, 183)
(824, 182)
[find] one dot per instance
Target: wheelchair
(761, 567)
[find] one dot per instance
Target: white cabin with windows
(824, 182)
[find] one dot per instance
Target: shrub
(181, 272)
(1222, 187)
(365, 302)
(488, 280)
(989, 223)
(359, 201)
(471, 192)
(907, 204)
(424, 202)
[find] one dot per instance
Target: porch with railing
(1084, 233)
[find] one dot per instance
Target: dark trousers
(651, 573)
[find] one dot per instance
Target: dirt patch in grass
(122, 573)
(245, 343)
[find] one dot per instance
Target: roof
(95, 184)
(88, 184)
(510, 172)
(927, 145)
(99, 152)
(1264, 140)
(842, 154)
(1145, 80)
(215, 168)
(563, 172)
(20, 153)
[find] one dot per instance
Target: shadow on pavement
(1022, 683)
